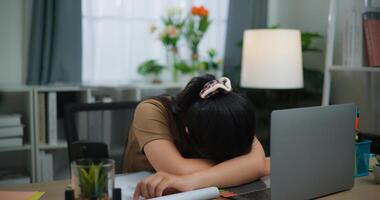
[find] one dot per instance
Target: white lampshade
(272, 59)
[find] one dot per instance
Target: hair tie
(212, 87)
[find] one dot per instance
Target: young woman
(204, 136)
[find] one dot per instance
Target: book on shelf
(45, 166)
(10, 120)
(348, 43)
(52, 118)
(15, 180)
(371, 26)
(11, 142)
(352, 36)
(13, 177)
(42, 118)
(11, 131)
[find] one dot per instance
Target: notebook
(16, 195)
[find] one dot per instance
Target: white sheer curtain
(116, 37)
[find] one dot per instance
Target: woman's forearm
(164, 156)
(234, 172)
(192, 165)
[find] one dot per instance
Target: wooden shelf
(359, 68)
(16, 148)
(29, 108)
(139, 85)
(59, 145)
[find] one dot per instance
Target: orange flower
(194, 10)
(200, 11)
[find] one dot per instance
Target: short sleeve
(151, 122)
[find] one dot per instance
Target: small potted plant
(93, 179)
(186, 71)
(151, 70)
(376, 170)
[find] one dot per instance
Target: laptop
(312, 153)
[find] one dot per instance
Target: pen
(357, 120)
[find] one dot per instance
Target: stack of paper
(11, 130)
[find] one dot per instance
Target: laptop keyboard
(256, 195)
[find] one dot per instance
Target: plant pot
(376, 173)
(93, 178)
(152, 78)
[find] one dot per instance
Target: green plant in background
(211, 63)
(172, 30)
(150, 67)
(184, 68)
(307, 39)
(93, 181)
(190, 29)
(196, 26)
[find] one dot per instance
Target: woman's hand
(163, 183)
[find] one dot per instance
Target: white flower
(173, 11)
(172, 31)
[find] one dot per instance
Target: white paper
(201, 194)
(128, 183)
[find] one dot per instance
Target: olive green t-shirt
(152, 121)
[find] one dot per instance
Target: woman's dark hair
(220, 127)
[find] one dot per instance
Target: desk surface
(365, 188)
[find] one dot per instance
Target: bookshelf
(59, 145)
(345, 29)
(18, 99)
(359, 68)
(49, 103)
(26, 100)
(27, 147)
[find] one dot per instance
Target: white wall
(306, 15)
(13, 40)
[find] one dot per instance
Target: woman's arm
(236, 171)
(164, 156)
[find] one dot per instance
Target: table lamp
(272, 59)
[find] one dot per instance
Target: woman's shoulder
(152, 105)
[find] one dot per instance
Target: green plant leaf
(93, 180)
(184, 68)
(150, 67)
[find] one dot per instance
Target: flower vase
(194, 57)
(171, 58)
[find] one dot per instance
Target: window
(116, 37)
